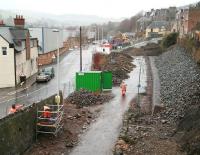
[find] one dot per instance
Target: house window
(4, 50)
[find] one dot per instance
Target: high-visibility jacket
(46, 114)
(123, 87)
(17, 107)
(12, 110)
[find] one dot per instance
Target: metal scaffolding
(51, 124)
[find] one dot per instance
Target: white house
(104, 48)
(18, 53)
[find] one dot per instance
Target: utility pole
(80, 50)
(102, 34)
(98, 34)
(95, 35)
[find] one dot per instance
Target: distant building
(168, 14)
(47, 38)
(130, 35)
(187, 19)
(104, 48)
(157, 29)
(18, 53)
(142, 23)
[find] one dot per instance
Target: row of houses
(21, 47)
(187, 20)
(160, 22)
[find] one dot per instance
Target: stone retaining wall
(156, 103)
(17, 131)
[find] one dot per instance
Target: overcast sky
(103, 8)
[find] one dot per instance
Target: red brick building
(189, 19)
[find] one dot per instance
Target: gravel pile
(120, 64)
(85, 98)
(180, 82)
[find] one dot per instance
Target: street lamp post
(58, 59)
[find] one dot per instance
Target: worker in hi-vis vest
(14, 108)
(123, 88)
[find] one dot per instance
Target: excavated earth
(151, 49)
(120, 64)
(85, 98)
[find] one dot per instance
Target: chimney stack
(19, 21)
(2, 23)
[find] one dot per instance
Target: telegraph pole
(98, 34)
(102, 34)
(80, 51)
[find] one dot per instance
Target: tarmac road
(69, 65)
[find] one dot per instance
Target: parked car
(49, 71)
(42, 77)
(45, 75)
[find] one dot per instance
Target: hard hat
(46, 108)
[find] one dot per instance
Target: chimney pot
(1, 23)
(19, 21)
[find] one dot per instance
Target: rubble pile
(85, 98)
(180, 93)
(120, 64)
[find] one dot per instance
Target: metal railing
(27, 97)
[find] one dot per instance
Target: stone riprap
(179, 80)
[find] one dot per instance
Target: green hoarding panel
(89, 80)
(107, 80)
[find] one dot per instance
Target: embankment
(180, 93)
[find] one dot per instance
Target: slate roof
(14, 36)
(158, 24)
(144, 19)
(5, 33)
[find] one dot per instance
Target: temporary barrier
(90, 81)
(94, 81)
(107, 80)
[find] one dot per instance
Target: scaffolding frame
(51, 125)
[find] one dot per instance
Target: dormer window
(4, 50)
